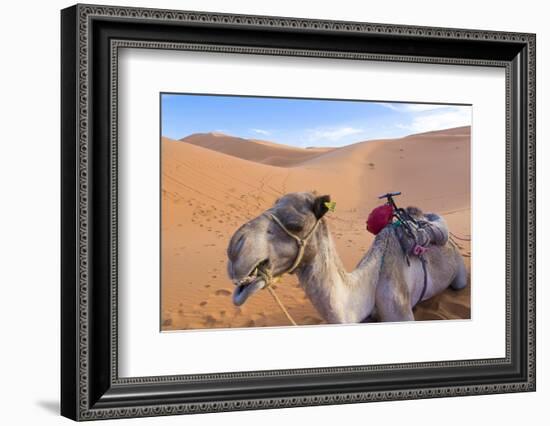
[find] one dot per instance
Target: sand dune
(209, 188)
(254, 149)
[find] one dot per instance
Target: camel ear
(319, 206)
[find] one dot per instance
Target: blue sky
(304, 122)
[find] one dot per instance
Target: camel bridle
(301, 242)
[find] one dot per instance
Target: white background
(29, 168)
(146, 352)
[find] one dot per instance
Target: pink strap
(419, 250)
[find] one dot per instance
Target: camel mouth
(247, 286)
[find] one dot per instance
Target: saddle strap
(425, 286)
(424, 268)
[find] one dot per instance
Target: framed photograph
(263, 212)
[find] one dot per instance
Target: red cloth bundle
(379, 218)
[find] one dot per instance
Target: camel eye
(294, 226)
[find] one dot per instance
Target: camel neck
(338, 295)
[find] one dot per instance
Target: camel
(293, 237)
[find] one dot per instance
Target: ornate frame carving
(86, 397)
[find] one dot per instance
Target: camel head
(268, 246)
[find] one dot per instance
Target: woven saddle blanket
(426, 229)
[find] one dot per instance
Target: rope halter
(301, 242)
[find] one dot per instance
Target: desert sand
(212, 183)
(259, 150)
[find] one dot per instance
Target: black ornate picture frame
(91, 387)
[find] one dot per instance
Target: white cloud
(333, 134)
(261, 132)
(437, 120)
(405, 107)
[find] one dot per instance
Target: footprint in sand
(222, 292)
(210, 321)
(203, 303)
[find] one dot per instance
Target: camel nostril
(240, 242)
(236, 247)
